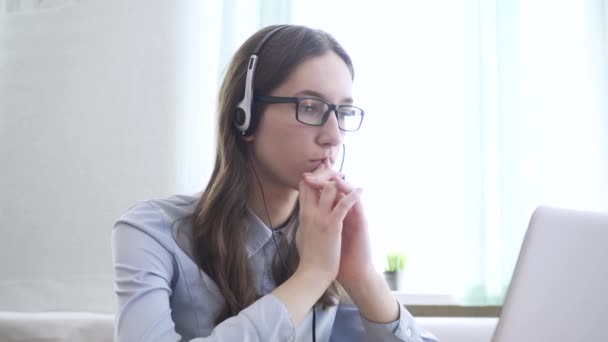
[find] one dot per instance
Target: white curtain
(208, 34)
(478, 111)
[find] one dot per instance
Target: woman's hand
(356, 274)
(356, 263)
(319, 237)
(319, 243)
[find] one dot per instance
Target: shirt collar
(258, 233)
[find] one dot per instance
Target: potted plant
(394, 272)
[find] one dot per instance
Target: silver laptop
(559, 290)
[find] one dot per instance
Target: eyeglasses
(314, 112)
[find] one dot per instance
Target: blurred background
(477, 112)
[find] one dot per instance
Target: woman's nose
(330, 131)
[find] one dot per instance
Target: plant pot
(395, 280)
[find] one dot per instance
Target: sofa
(91, 327)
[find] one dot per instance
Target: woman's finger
(328, 195)
(343, 186)
(339, 197)
(346, 203)
(315, 183)
(308, 198)
(323, 172)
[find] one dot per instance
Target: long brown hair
(219, 218)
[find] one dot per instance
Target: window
(477, 112)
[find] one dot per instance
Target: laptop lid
(559, 289)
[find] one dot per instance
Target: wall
(87, 127)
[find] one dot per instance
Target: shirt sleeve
(350, 325)
(144, 268)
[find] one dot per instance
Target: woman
(276, 247)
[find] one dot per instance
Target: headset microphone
(343, 157)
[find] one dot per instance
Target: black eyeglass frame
(296, 100)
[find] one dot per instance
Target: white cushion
(56, 327)
(460, 329)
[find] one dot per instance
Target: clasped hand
(333, 236)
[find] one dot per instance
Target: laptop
(559, 289)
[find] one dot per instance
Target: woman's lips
(317, 162)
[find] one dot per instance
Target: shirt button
(408, 332)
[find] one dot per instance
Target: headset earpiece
(239, 116)
(240, 120)
(245, 120)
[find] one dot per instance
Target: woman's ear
(248, 138)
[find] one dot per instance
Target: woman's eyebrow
(313, 93)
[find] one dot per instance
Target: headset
(244, 119)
